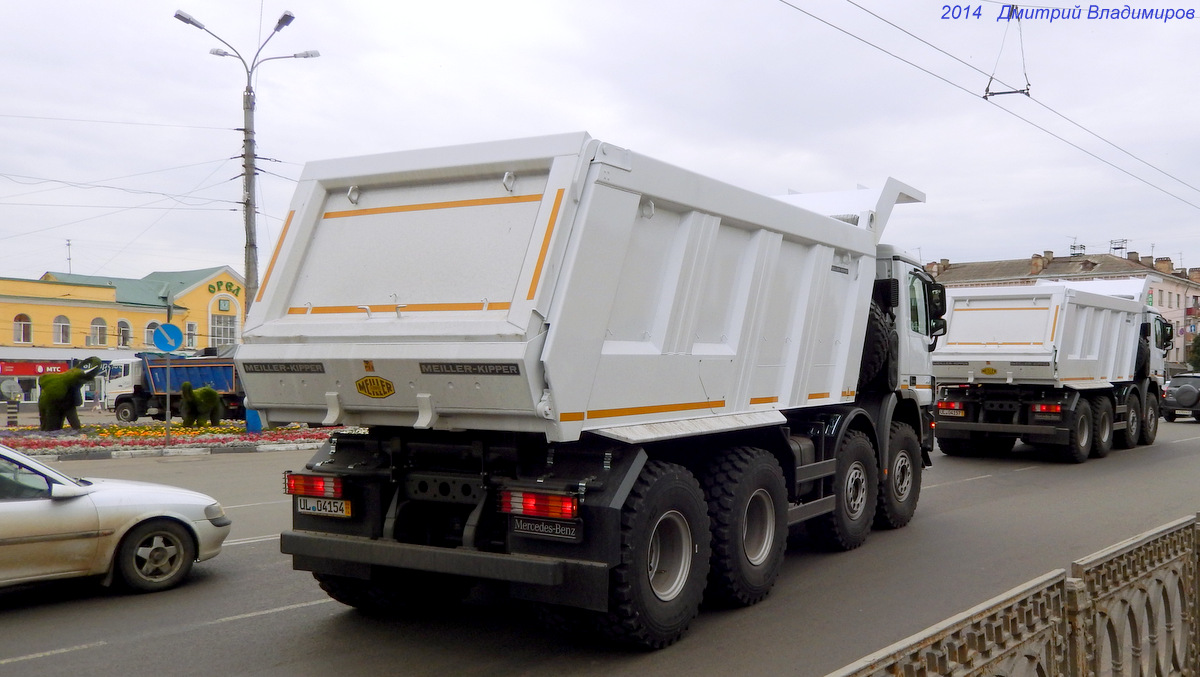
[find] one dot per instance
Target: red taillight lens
(553, 506)
(313, 485)
(1047, 408)
(943, 404)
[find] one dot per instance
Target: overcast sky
(119, 132)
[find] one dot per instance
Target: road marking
(55, 652)
(256, 614)
(1028, 467)
(1186, 439)
(253, 539)
(251, 505)
(965, 479)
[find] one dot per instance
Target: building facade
(1173, 292)
(61, 318)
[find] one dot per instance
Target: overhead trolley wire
(1012, 113)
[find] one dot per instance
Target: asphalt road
(984, 525)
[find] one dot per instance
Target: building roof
(151, 290)
(1047, 265)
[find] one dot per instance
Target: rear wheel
(900, 488)
(395, 591)
(1169, 414)
(1102, 427)
(747, 507)
(1128, 438)
(1150, 420)
(1079, 440)
(956, 447)
(856, 487)
(656, 589)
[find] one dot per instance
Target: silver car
(146, 535)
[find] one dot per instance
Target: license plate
(953, 412)
(327, 507)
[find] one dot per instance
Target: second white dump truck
(1078, 366)
(604, 383)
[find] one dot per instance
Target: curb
(108, 454)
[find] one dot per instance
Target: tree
(1194, 354)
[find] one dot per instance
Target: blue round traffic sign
(168, 337)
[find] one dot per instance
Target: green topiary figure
(199, 405)
(60, 394)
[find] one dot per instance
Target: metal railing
(1128, 610)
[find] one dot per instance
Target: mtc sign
(32, 368)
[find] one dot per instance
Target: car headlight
(216, 514)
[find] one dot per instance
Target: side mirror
(63, 491)
(937, 302)
(937, 328)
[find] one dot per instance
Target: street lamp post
(248, 157)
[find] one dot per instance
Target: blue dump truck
(138, 387)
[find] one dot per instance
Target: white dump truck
(1078, 366)
(599, 382)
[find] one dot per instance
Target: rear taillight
(528, 503)
(1046, 408)
(312, 485)
(943, 404)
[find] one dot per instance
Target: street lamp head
(187, 19)
(284, 20)
(310, 54)
(217, 51)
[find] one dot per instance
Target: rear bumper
(1049, 434)
(556, 580)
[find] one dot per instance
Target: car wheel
(1169, 415)
(155, 555)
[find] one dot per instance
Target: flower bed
(31, 440)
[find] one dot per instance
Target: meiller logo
(375, 386)
(525, 526)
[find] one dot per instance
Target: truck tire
(956, 447)
(747, 508)
(900, 487)
(1079, 436)
(1128, 438)
(1102, 426)
(656, 589)
(1150, 420)
(876, 347)
(126, 412)
(856, 490)
(404, 590)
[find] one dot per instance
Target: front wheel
(900, 487)
(747, 507)
(155, 556)
(656, 589)
(126, 412)
(856, 488)
(1150, 420)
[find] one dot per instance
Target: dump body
(561, 356)
(1074, 365)
(139, 387)
(554, 285)
(1038, 334)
